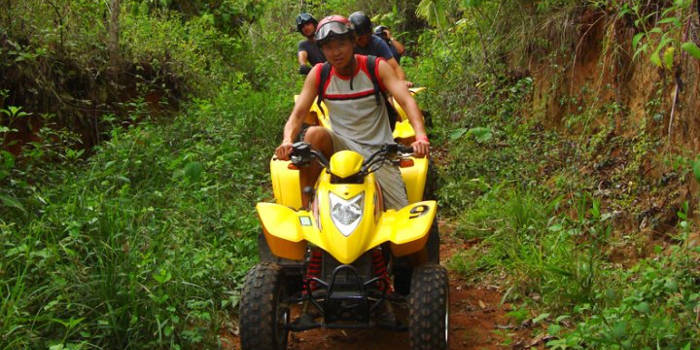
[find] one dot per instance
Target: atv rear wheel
(264, 314)
(428, 303)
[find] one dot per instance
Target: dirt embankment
(637, 122)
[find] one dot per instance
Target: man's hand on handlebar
(421, 146)
(284, 151)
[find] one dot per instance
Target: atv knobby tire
(428, 304)
(263, 311)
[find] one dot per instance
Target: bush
(145, 245)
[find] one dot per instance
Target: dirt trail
(477, 320)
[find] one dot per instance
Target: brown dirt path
(477, 320)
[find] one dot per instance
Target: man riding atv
(359, 122)
(349, 244)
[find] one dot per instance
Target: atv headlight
(346, 214)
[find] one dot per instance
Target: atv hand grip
(405, 149)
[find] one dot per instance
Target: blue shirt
(376, 47)
(314, 54)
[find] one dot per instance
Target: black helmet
(304, 18)
(379, 31)
(362, 23)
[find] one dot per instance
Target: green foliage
(146, 244)
(522, 195)
(692, 49)
(193, 55)
(696, 170)
(665, 37)
(655, 309)
(228, 15)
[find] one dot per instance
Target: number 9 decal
(418, 211)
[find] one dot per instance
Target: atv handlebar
(303, 154)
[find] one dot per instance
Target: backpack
(371, 68)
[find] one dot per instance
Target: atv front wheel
(402, 270)
(264, 313)
(428, 303)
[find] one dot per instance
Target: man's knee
(319, 138)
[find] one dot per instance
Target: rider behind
(367, 43)
(359, 123)
(308, 51)
(396, 46)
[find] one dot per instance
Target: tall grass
(145, 245)
(523, 195)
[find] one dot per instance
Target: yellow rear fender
(414, 177)
(415, 90)
(403, 130)
(406, 229)
(285, 229)
(321, 113)
(285, 183)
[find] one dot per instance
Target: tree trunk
(113, 44)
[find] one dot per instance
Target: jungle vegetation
(136, 136)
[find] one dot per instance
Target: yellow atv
(346, 261)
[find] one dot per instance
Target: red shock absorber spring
(379, 270)
(313, 269)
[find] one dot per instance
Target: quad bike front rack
(343, 307)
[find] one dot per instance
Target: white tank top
(354, 112)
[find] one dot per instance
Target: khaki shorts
(388, 176)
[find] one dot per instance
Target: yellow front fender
(287, 231)
(407, 229)
(283, 230)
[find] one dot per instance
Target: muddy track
(477, 320)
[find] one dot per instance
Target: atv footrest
(304, 323)
(346, 301)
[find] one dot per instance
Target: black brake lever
(301, 153)
(321, 158)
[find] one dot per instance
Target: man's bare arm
(296, 118)
(303, 57)
(398, 89)
(398, 45)
(395, 66)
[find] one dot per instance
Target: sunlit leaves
(435, 12)
(696, 169)
(691, 48)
